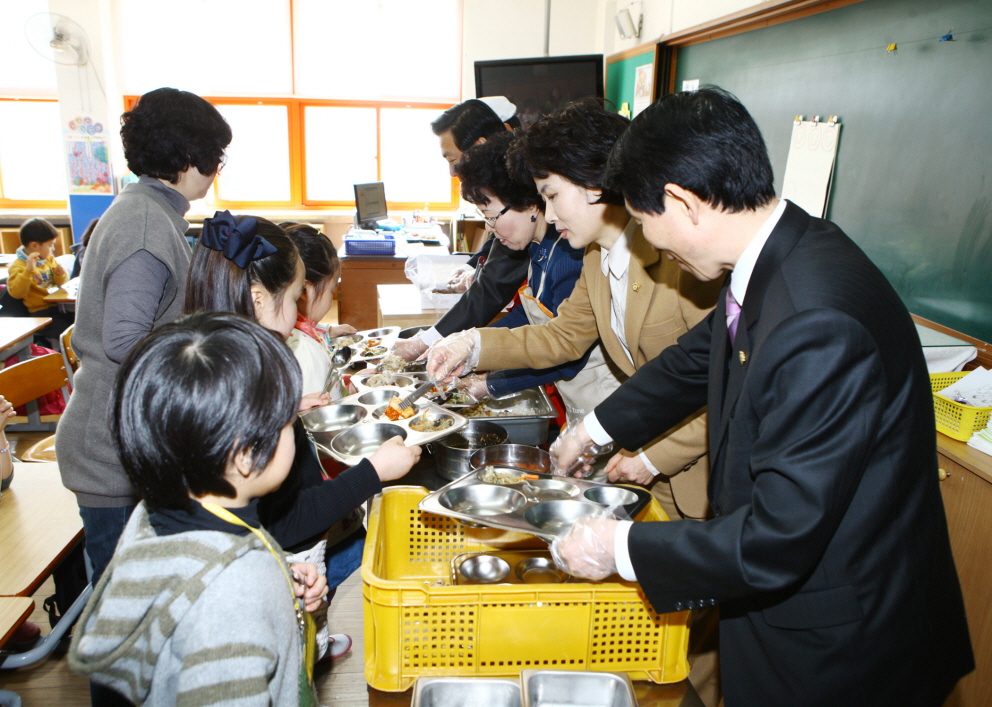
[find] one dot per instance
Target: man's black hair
(193, 394)
(574, 143)
(705, 141)
(169, 131)
(468, 121)
(484, 174)
(37, 230)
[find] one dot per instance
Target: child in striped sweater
(198, 605)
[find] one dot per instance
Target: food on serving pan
(379, 380)
(480, 410)
(373, 342)
(373, 351)
(346, 340)
(394, 413)
(504, 477)
(392, 364)
(432, 424)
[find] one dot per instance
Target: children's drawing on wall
(88, 158)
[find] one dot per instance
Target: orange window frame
(297, 153)
(35, 203)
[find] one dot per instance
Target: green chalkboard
(913, 179)
(621, 76)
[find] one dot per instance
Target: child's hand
(309, 584)
(33, 259)
(394, 459)
(58, 269)
(313, 400)
(341, 330)
(6, 412)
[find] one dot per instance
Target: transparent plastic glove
(409, 349)
(573, 453)
(460, 281)
(630, 468)
(475, 385)
(454, 355)
(586, 549)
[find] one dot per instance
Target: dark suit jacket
(829, 553)
(492, 289)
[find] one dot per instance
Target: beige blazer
(662, 303)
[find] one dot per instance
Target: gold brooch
(743, 357)
(637, 286)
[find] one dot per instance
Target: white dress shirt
(738, 285)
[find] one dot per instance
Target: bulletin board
(622, 73)
(912, 183)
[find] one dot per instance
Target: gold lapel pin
(637, 287)
(743, 357)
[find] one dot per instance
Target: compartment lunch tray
(518, 514)
(388, 336)
(413, 438)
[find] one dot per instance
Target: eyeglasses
(491, 222)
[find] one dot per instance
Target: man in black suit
(828, 554)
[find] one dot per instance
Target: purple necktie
(733, 316)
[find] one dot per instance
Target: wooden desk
(39, 525)
(966, 487)
(13, 612)
(679, 694)
(65, 296)
(15, 334)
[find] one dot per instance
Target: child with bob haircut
(34, 272)
(202, 414)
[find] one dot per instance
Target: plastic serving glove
(454, 355)
(409, 349)
(586, 549)
(574, 452)
(460, 281)
(475, 385)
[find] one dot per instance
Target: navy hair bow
(237, 241)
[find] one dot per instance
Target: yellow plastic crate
(417, 624)
(955, 419)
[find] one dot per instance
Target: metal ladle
(339, 359)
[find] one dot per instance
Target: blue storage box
(366, 244)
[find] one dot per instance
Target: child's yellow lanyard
(307, 626)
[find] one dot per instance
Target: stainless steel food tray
(557, 688)
(521, 567)
(519, 508)
(462, 692)
(525, 415)
(389, 335)
(332, 428)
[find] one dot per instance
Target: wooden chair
(69, 356)
(29, 380)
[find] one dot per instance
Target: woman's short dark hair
(468, 121)
(216, 284)
(37, 230)
(705, 141)
(168, 131)
(193, 394)
(317, 253)
(484, 174)
(574, 143)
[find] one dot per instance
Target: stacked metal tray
(545, 507)
(534, 688)
(506, 567)
(350, 429)
(524, 415)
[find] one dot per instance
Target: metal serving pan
(348, 430)
(576, 688)
(387, 336)
(524, 415)
(545, 507)
(464, 692)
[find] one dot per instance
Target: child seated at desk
(198, 605)
(34, 274)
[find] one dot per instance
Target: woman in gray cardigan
(132, 281)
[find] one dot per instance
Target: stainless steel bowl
(332, 418)
(539, 570)
(411, 332)
(363, 440)
(516, 456)
(455, 451)
(398, 382)
(378, 333)
(555, 517)
(551, 489)
(379, 396)
(610, 496)
(484, 569)
(484, 500)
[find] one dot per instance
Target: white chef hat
(501, 106)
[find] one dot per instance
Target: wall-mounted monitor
(540, 85)
(370, 204)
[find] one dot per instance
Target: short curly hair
(484, 174)
(574, 143)
(168, 131)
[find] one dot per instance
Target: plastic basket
(956, 419)
(370, 246)
(417, 624)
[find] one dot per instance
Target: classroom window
(32, 166)
(23, 71)
(257, 168)
(412, 167)
(341, 151)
